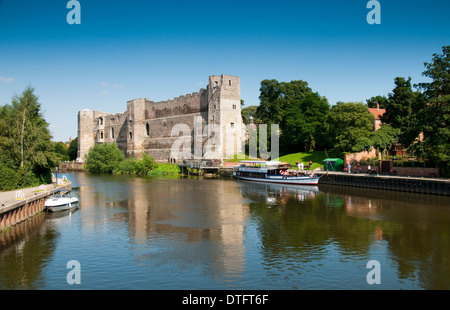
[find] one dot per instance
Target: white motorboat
(273, 172)
(61, 200)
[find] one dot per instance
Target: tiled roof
(376, 112)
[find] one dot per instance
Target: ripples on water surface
(155, 233)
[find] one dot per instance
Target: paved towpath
(9, 198)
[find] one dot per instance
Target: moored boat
(273, 172)
(61, 200)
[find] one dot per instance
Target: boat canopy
(62, 190)
(268, 163)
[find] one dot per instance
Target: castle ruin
(201, 125)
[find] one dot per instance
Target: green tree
(401, 110)
(381, 100)
(275, 97)
(25, 140)
(61, 150)
(385, 137)
(304, 119)
(248, 112)
(73, 149)
(434, 118)
(104, 158)
(349, 127)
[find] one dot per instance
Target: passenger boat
(61, 200)
(273, 172)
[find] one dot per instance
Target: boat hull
(280, 180)
(62, 206)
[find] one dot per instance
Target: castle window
(101, 134)
(100, 121)
(229, 82)
(112, 133)
(147, 128)
(216, 84)
(234, 107)
(213, 118)
(131, 135)
(232, 125)
(214, 106)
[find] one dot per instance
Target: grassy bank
(166, 169)
(316, 157)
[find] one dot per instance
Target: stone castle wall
(151, 127)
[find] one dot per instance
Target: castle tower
(136, 127)
(224, 112)
(91, 130)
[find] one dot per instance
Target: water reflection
(190, 233)
(24, 252)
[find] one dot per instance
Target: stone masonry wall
(146, 126)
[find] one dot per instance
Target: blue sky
(162, 49)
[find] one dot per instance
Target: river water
(158, 233)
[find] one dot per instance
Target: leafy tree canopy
(304, 122)
(275, 97)
(25, 140)
(350, 127)
(104, 158)
(381, 100)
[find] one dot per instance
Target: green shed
(333, 164)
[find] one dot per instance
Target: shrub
(128, 166)
(9, 179)
(166, 169)
(28, 179)
(146, 164)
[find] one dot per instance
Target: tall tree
(248, 112)
(303, 124)
(380, 100)
(25, 140)
(402, 107)
(350, 126)
(73, 149)
(275, 97)
(434, 118)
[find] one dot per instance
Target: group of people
(286, 173)
(357, 168)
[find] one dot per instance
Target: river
(181, 233)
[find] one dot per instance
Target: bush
(146, 164)
(9, 179)
(28, 179)
(142, 166)
(128, 166)
(104, 158)
(166, 169)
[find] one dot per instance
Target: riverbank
(19, 205)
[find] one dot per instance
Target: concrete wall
(405, 184)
